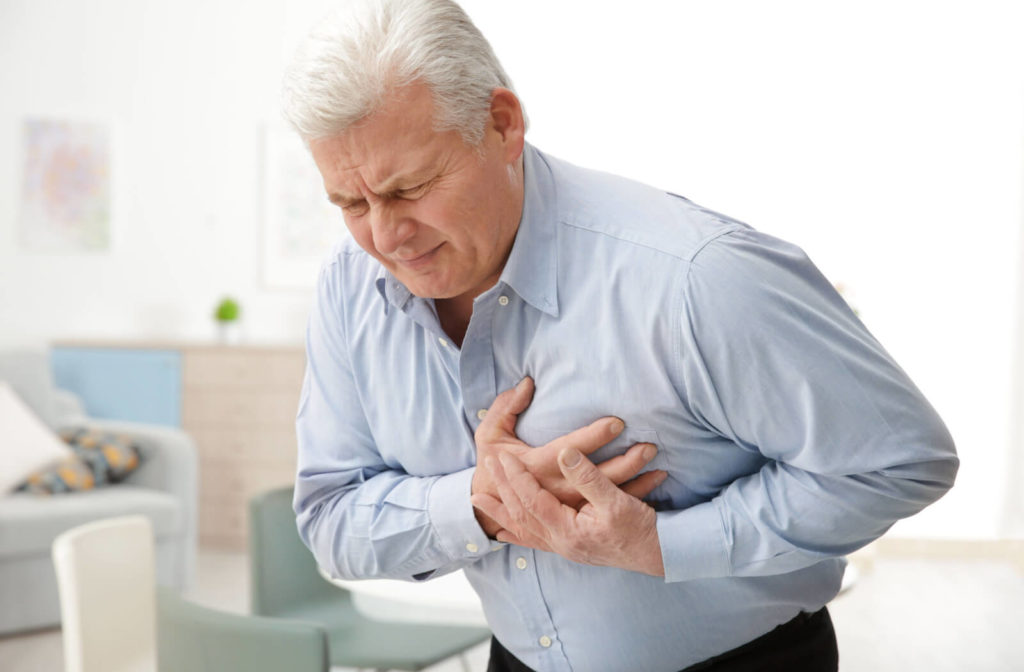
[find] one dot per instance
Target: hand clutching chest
(553, 498)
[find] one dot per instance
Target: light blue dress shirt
(789, 435)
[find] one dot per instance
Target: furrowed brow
(341, 200)
(391, 188)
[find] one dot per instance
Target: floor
(901, 615)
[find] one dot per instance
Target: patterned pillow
(100, 458)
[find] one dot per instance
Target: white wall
(885, 137)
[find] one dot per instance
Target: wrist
(487, 524)
(653, 563)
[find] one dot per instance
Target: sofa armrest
(169, 463)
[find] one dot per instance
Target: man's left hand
(614, 528)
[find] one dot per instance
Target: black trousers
(805, 644)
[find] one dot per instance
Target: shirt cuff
(453, 519)
(694, 544)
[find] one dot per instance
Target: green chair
(192, 638)
(286, 584)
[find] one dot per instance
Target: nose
(390, 228)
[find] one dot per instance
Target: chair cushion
(100, 458)
(29, 523)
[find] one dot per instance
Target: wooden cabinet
(237, 402)
(239, 405)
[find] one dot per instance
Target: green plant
(227, 310)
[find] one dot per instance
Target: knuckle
(518, 519)
(578, 549)
(530, 502)
(588, 475)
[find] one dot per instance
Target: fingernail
(661, 477)
(570, 457)
(649, 452)
(522, 384)
(615, 426)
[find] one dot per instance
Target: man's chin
(429, 290)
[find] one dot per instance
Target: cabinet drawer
(240, 408)
(239, 482)
(244, 368)
(244, 444)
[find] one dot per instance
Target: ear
(508, 123)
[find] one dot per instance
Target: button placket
(476, 363)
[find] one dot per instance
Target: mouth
(419, 261)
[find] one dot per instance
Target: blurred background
(885, 137)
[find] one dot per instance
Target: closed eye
(412, 193)
(355, 208)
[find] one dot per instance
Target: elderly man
(647, 432)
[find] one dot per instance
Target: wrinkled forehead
(383, 152)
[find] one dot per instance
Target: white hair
(352, 61)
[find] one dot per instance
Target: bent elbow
(924, 482)
(937, 463)
(944, 464)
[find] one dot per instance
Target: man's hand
(614, 528)
(496, 436)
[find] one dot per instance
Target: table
(448, 599)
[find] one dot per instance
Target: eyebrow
(391, 187)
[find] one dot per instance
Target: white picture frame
(300, 226)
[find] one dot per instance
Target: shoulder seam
(689, 258)
(637, 243)
(712, 238)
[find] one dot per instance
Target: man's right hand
(496, 434)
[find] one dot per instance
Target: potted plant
(227, 314)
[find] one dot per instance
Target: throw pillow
(29, 445)
(99, 458)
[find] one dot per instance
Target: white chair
(116, 620)
(107, 585)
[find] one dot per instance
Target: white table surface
(447, 599)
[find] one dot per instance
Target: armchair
(163, 489)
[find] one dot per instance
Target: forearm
(391, 525)
(782, 518)
(781, 367)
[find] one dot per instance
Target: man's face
(437, 213)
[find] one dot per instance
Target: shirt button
(545, 641)
(443, 342)
(481, 414)
(521, 563)
(503, 300)
(472, 548)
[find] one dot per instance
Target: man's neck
(454, 314)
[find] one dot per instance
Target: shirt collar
(392, 292)
(532, 266)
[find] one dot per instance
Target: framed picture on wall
(65, 198)
(299, 225)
